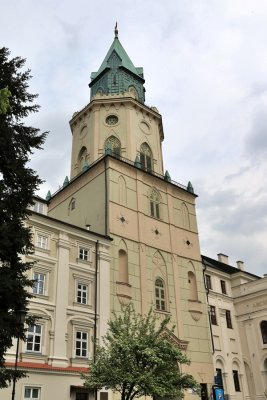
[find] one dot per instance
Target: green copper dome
(117, 74)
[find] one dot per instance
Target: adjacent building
(71, 273)
(238, 317)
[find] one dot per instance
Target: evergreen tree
(18, 183)
(138, 359)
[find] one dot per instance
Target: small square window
(83, 254)
(42, 241)
(32, 393)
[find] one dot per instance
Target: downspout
(106, 198)
(96, 294)
(207, 297)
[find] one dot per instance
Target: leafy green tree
(137, 358)
(18, 183)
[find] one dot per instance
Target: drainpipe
(106, 198)
(96, 293)
(207, 297)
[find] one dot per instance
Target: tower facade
(119, 188)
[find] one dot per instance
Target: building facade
(238, 314)
(118, 185)
(71, 273)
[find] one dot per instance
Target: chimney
(222, 258)
(240, 265)
(88, 227)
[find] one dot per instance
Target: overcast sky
(205, 66)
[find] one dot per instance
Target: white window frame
(160, 295)
(42, 241)
(84, 253)
(82, 293)
(83, 340)
(34, 335)
(31, 389)
(37, 286)
(39, 207)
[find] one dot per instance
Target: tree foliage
(18, 183)
(138, 358)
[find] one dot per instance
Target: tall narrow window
(122, 190)
(160, 295)
(185, 216)
(228, 319)
(218, 378)
(81, 345)
(82, 158)
(208, 281)
(34, 337)
(192, 283)
(213, 316)
(82, 293)
(236, 381)
(264, 331)
(223, 287)
(39, 283)
(146, 157)
(123, 267)
(113, 145)
(154, 201)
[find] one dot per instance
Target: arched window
(122, 191)
(264, 331)
(185, 216)
(160, 295)
(154, 201)
(72, 204)
(113, 145)
(192, 286)
(82, 158)
(146, 157)
(123, 267)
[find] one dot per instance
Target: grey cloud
(256, 141)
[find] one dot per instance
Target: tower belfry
(117, 74)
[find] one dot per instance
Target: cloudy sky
(205, 65)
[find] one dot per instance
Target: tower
(119, 187)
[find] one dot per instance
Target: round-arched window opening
(112, 120)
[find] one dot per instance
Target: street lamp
(20, 318)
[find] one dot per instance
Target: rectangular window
(83, 254)
(236, 381)
(42, 241)
(208, 281)
(32, 393)
(38, 207)
(228, 319)
(82, 293)
(39, 283)
(81, 344)
(81, 396)
(218, 378)
(213, 317)
(223, 287)
(34, 338)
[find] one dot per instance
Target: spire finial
(116, 30)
